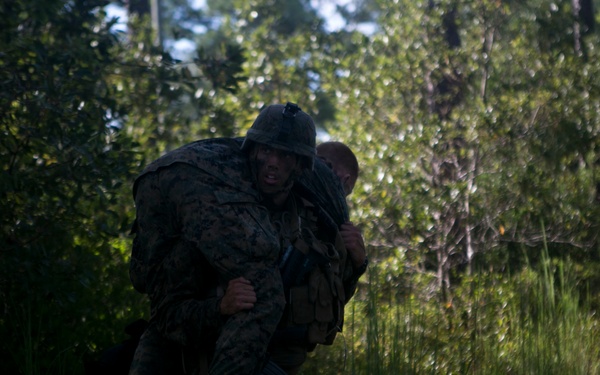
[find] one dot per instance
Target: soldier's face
(339, 170)
(274, 168)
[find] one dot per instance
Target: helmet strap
(289, 114)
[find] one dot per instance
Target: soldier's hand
(353, 240)
(238, 296)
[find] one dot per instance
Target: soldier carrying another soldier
(213, 216)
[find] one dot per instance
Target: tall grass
(30, 349)
(531, 322)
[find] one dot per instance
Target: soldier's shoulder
(210, 155)
(221, 158)
(324, 189)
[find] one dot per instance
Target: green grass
(531, 322)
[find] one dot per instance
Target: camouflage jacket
(198, 217)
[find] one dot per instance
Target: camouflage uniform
(197, 209)
(314, 311)
(200, 225)
(315, 295)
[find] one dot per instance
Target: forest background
(477, 128)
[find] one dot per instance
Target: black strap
(289, 113)
(271, 368)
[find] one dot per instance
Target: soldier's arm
(180, 299)
(354, 242)
(357, 261)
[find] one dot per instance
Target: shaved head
(342, 161)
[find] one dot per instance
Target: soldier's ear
(347, 183)
(299, 168)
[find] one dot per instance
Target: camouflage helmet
(286, 128)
